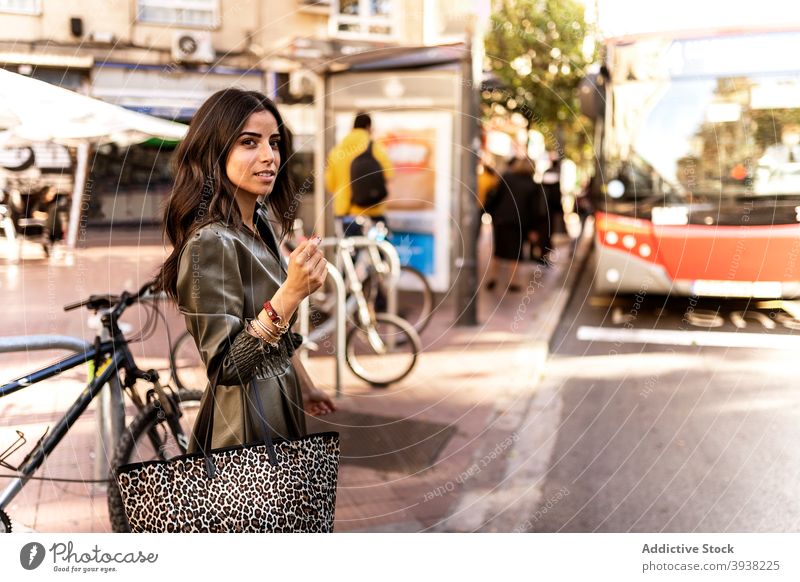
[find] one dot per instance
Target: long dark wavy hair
(202, 193)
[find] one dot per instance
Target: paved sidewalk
(477, 388)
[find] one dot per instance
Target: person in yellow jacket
(337, 175)
(488, 178)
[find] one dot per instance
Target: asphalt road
(665, 425)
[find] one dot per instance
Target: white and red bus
(698, 184)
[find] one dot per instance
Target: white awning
(35, 111)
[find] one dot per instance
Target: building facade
(165, 57)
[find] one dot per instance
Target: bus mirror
(592, 96)
(615, 189)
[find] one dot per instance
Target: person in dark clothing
(551, 186)
(512, 208)
(583, 202)
(539, 235)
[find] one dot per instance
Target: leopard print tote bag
(278, 486)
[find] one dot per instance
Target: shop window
(21, 6)
(199, 13)
(66, 78)
(362, 18)
(130, 185)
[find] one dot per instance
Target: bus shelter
(423, 106)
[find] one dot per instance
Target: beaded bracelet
(272, 332)
(250, 331)
(277, 329)
(271, 337)
(265, 339)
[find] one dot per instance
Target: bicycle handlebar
(94, 302)
(121, 302)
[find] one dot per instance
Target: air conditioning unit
(192, 47)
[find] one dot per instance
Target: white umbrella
(35, 111)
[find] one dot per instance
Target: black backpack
(367, 184)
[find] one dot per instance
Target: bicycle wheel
(186, 366)
(149, 438)
(414, 298)
(383, 353)
(322, 323)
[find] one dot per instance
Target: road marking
(722, 339)
(790, 307)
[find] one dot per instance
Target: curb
(506, 504)
(583, 248)
(583, 252)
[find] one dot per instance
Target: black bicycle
(160, 429)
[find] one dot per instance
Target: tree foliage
(535, 48)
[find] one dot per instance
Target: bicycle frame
(365, 316)
(120, 357)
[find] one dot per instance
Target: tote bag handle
(205, 447)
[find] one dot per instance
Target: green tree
(536, 50)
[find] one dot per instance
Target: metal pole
(320, 212)
(467, 263)
(19, 343)
(303, 312)
(12, 241)
(339, 318)
(81, 173)
(341, 325)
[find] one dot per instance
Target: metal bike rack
(109, 426)
(340, 319)
(340, 316)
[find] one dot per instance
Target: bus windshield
(702, 118)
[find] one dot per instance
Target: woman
(511, 206)
(226, 273)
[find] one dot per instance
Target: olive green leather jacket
(224, 276)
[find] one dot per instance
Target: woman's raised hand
(307, 269)
(306, 274)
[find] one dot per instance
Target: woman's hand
(316, 402)
(307, 271)
(307, 268)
